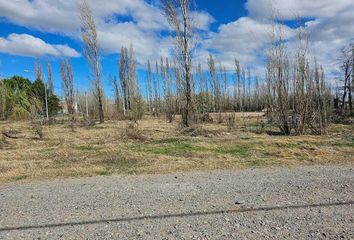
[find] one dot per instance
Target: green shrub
(38, 131)
(138, 109)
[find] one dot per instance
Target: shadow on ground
(177, 215)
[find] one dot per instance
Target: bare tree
(179, 88)
(117, 98)
(50, 77)
(157, 87)
(346, 59)
(203, 90)
(39, 76)
(128, 78)
(249, 94)
(278, 67)
(224, 82)
(243, 98)
(149, 86)
(299, 102)
(68, 87)
(237, 85)
(178, 15)
(256, 94)
(92, 53)
(213, 83)
(132, 75)
(167, 81)
(38, 70)
(123, 75)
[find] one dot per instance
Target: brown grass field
(160, 147)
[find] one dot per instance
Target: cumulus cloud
(328, 25)
(243, 39)
(63, 17)
(286, 9)
(48, 16)
(27, 45)
(202, 20)
(141, 24)
(329, 29)
(119, 23)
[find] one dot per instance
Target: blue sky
(229, 29)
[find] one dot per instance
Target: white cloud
(286, 9)
(27, 45)
(44, 15)
(243, 39)
(62, 16)
(147, 45)
(202, 20)
(119, 23)
(330, 27)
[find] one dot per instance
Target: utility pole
(46, 101)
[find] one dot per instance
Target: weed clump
(197, 131)
(231, 122)
(38, 131)
(132, 132)
(3, 142)
(206, 118)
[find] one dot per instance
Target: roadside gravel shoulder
(306, 202)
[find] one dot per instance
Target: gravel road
(280, 203)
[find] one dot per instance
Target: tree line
(20, 99)
(293, 93)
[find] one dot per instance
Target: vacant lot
(156, 146)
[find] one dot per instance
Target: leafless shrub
(132, 132)
(231, 121)
(299, 102)
(206, 118)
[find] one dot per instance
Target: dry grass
(161, 147)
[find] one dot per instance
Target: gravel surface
(299, 203)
